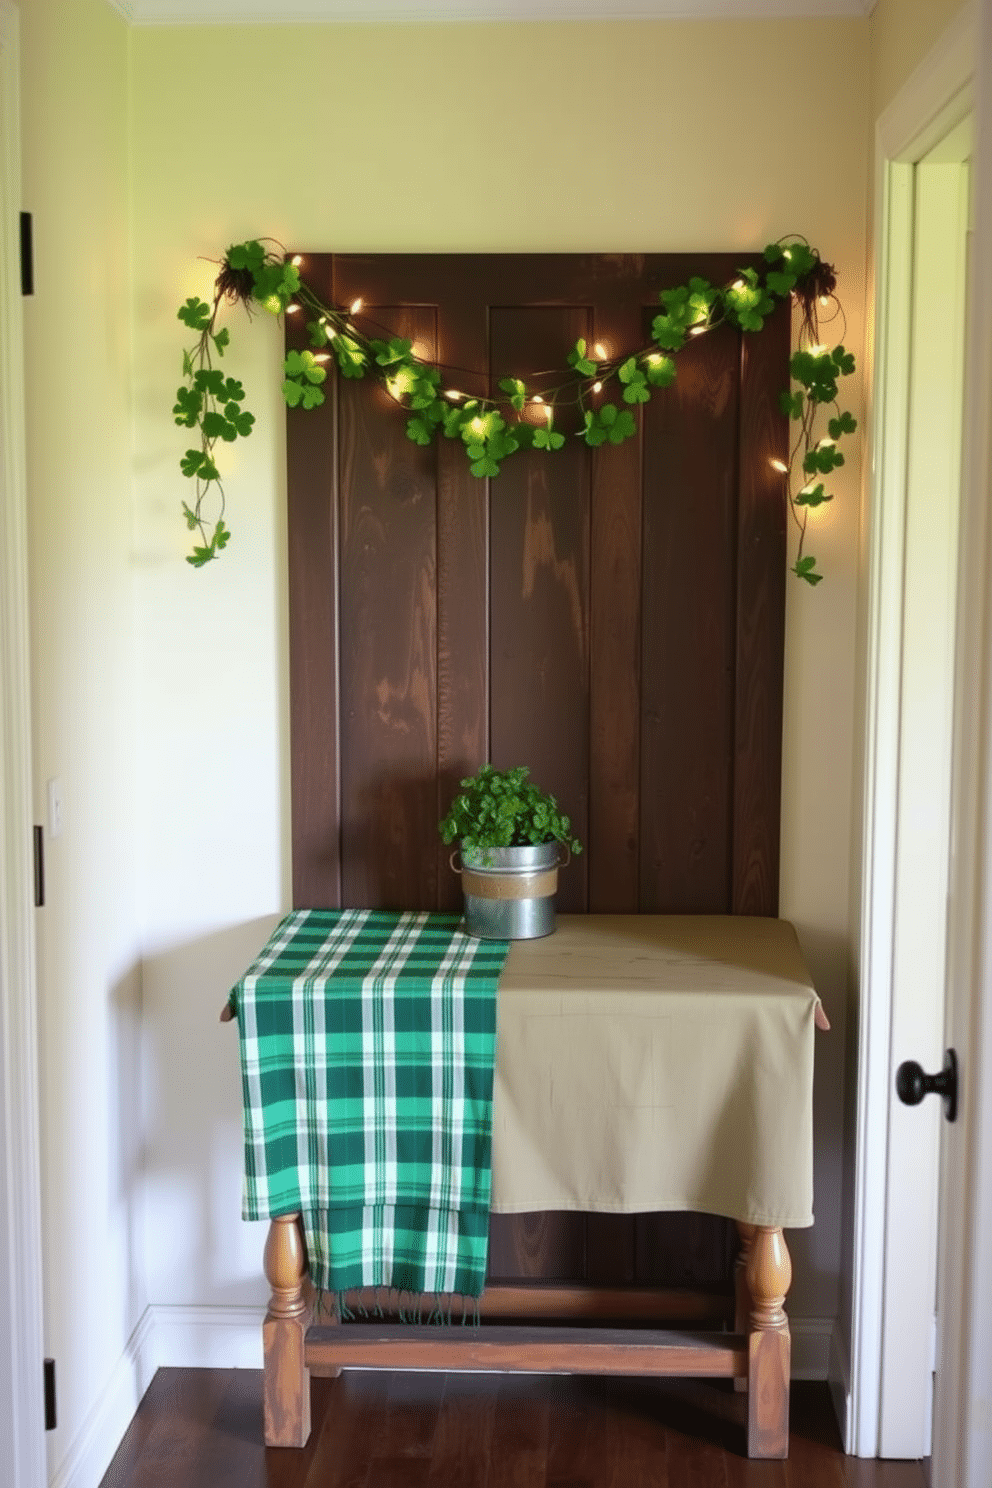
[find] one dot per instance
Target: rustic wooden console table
(643, 1062)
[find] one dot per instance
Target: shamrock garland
(493, 429)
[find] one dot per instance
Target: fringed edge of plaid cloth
(367, 1046)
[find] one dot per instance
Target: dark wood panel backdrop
(612, 618)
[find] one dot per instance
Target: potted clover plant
(510, 835)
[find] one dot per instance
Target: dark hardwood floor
(201, 1428)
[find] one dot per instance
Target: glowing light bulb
(322, 357)
(817, 351)
(297, 261)
(538, 398)
(780, 466)
(356, 305)
(697, 330)
(477, 425)
(787, 253)
(738, 284)
(654, 358)
(597, 387)
(453, 394)
(292, 309)
(599, 350)
(824, 300)
(826, 444)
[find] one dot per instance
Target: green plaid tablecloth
(367, 1047)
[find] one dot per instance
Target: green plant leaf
(208, 380)
(781, 284)
(200, 556)
(192, 520)
(312, 396)
(419, 430)
(843, 361)
(317, 331)
(188, 406)
(187, 364)
(805, 568)
(292, 391)
(516, 391)
(660, 370)
(216, 426)
(577, 358)
(250, 255)
(195, 313)
(484, 466)
(791, 404)
(813, 497)
(548, 439)
(669, 332)
(844, 424)
(222, 339)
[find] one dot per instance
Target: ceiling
(164, 12)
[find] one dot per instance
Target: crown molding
(235, 12)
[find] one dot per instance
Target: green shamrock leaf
(250, 255)
(845, 424)
(222, 339)
(209, 381)
(292, 392)
(812, 496)
(388, 353)
(805, 569)
(660, 370)
(781, 284)
(192, 520)
(317, 331)
(577, 358)
(548, 439)
(419, 430)
(195, 313)
(303, 364)
(188, 406)
(791, 404)
(669, 332)
(312, 396)
(216, 426)
(516, 392)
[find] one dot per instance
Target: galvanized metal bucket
(510, 891)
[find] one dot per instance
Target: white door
(907, 808)
(929, 205)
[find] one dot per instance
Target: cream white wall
(653, 136)
(902, 33)
(79, 454)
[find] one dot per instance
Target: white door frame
(21, 1350)
(935, 98)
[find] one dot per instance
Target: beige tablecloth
(650, 1062)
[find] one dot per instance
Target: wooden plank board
(520, 1349)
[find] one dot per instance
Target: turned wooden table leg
(742, 1297)
(768, 1274)
(287, 1379)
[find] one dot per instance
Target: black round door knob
(912, 1084)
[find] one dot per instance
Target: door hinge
(27, 254)
(39, 867)
(49, 1394)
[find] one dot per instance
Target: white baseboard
(839, 1377)
(208, 1337)
(231, 1338)
(98, 1438)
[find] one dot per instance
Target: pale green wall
(74, 60)
(614, 136)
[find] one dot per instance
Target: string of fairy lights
(493, 426)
